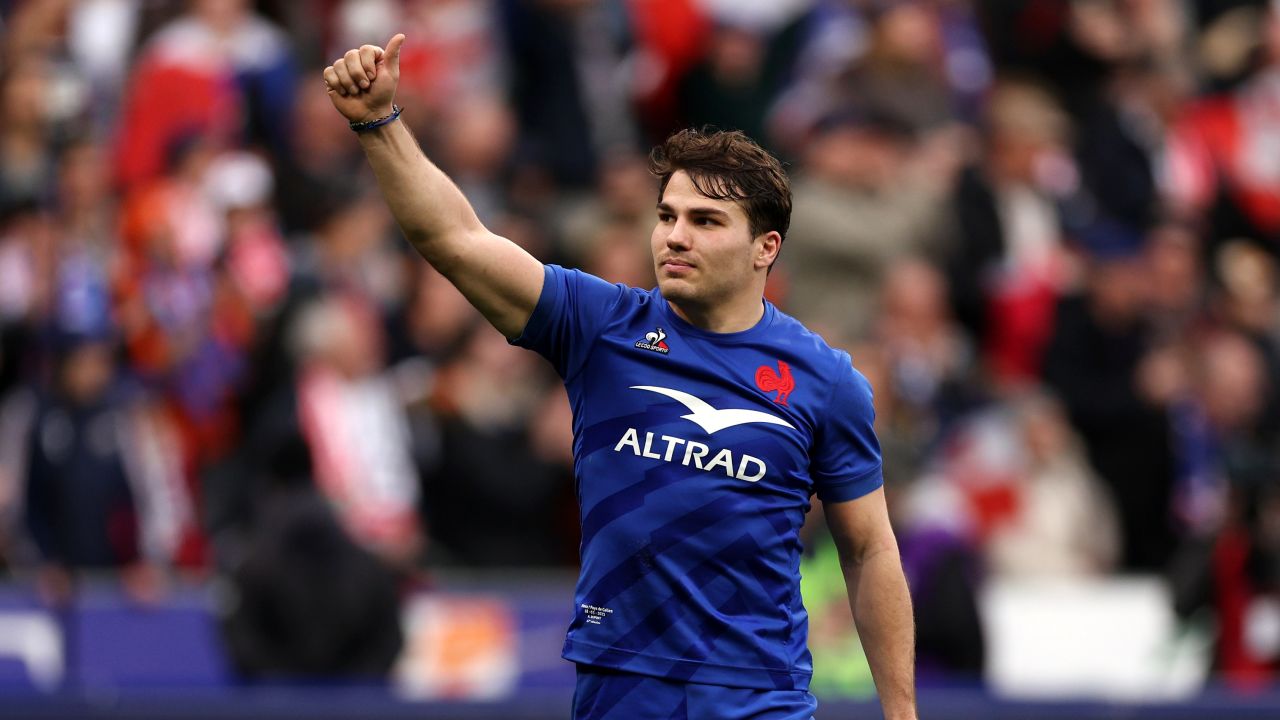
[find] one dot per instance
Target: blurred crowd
(1046, 230)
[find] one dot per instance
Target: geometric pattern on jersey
(695, 457)
(604, 694)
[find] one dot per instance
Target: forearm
(430, 209)
(498, 277)
(881, 607)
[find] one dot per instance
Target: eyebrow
(701, 211)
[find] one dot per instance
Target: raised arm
(497, 276)
(878, 597)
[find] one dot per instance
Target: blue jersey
(695, 455)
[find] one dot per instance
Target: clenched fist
(362, 83)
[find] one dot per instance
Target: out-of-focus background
(259, 460)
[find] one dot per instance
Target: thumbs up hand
(362, 83)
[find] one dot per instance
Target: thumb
(392, 54)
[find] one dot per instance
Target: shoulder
(848, 392)
(559, 276)
(833, 361)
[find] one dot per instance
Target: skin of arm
(878, 596)
(497, 276)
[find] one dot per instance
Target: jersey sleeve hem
(537, 322)
(852, 488)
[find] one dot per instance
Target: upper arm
(860, 527)
(498, 277)
(572, 311)
(847, 471)
(845, 459)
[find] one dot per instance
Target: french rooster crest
(782, 382)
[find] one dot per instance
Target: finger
(331, 80)
(355, 69)
(369, 60)
(344, 76)
(392, 57)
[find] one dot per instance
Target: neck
(722, 318)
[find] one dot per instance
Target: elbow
(880, 547)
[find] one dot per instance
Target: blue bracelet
(377, 122)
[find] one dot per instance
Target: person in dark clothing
(1006, 263)
(309, 602)
(80, 510)
(1101, 346)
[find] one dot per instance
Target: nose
(678, 236)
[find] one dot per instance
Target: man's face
(703, 250)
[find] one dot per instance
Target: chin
(676, 289)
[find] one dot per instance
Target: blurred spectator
(309, 603)
(86, 208)
(221, 71)
(1233, 564)
(476, 135)
(616, 255)
(486, 397)
(858, 208)
(734, 84)
(436, 319)
(930, 362)
(324, 164)
(669, 41)
(1249, 302)
(903, 71)
(27, 172)
(1071, 44)
(1224, 405)
(354, 424)
(624, 204)
(1178, 288)
(944, 571)
(79, 507)
(1250, 289)
(27, 244)
(1103, 363)
(351, 250)
(1222, 158)
(454, 53)
(84, 508)
(254, 267)
(184, 330)
(833, 36)
(1124, 134)
(568, 85)
(1007, 266)
(100, 37)
(1063, 522)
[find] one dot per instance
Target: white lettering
(749, 468)
(695, 451)
(630, 437)
(648, 444)
(672, 442)
(742, 469)
(723, 458)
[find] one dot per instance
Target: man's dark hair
(728, 165)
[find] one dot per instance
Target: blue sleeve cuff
(852, 488)
(541, 315)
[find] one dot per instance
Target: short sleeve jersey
(695, 455)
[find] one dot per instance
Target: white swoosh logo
(710, 419)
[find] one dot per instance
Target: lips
(676, 265)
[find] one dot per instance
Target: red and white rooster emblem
(781, 381)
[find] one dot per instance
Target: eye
(665, 217)
(706, 222)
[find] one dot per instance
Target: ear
(767, 247)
